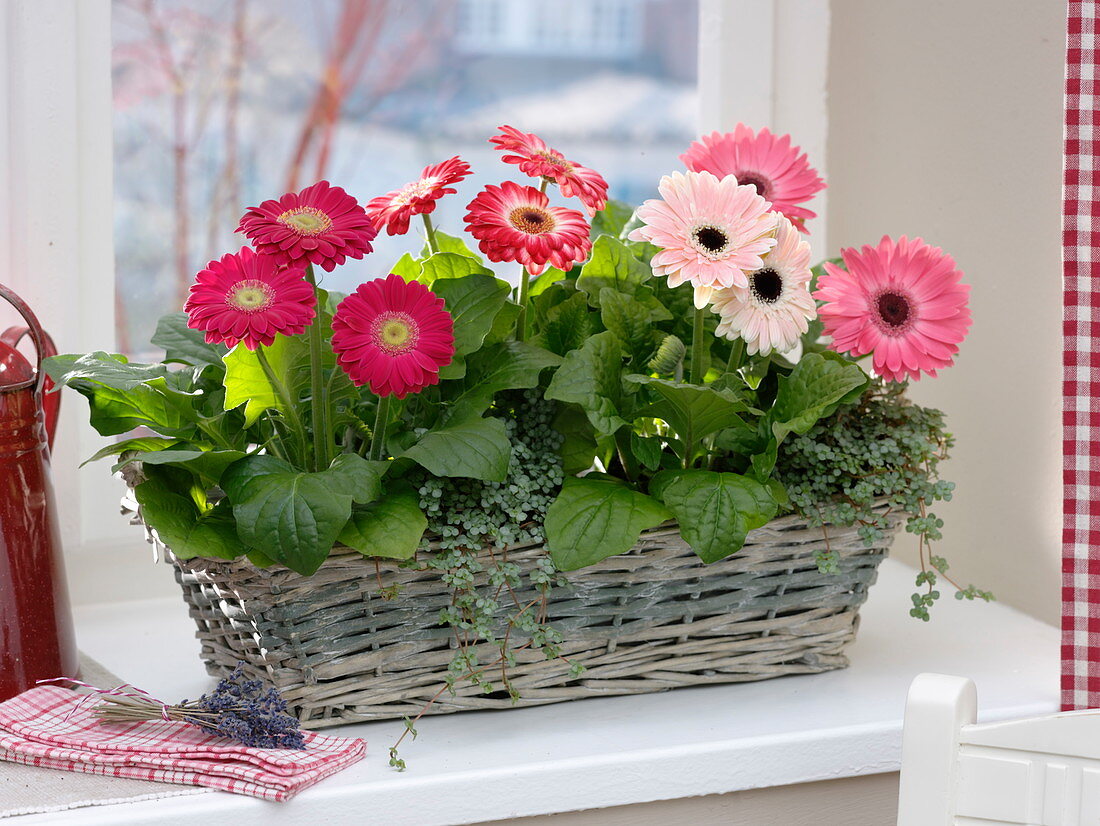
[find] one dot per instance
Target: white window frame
(56, 222)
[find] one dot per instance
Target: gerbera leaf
(631, 318)
(183, 526)
(611, 219)
(183, 344)
(207, 464)
(511, 365)
(445, 265)
(475, 449)
(448, 243)
(818, 385)
(473, 301)
(389, 528)
(693, 412)
(593, 519)
(407, 267)
(564, 326)
(578, 449)
(611, 265)
(715, 510)
(591, 377)
(247, 384)
(358, 477)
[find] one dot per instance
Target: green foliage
(593, 519)
(475, 448)
(390, 528)
(186, 522)
(592, 378)
(611, 265)
(817, 386)
(473, 301)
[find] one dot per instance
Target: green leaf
(407, 267)
(647, 450)
(209, 465)
(716, 511)
(817, 386)
(547, 278)
(611, 219)
(512, 365)
(591, 377)
(578, 450)
(246, 383)
(473, 301)
(142, 443)
(451, 244)
(566, 325)
(357, 477)
(447, 265)
(115, 411)
(631, 319)
(289, 516)
(101, 369)
(611, 265)
(181, 343)
(475, 448)
(185, 528)
(593, 519)
(391, 527)
(693, 412)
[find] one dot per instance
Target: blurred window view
(220, 104)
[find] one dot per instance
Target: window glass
(220, 104)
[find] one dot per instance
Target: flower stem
(521, 319)
(543, 185)
(698, 330)
(378, 434)
(290, 411)
(318, 397)
(737, 355)
(429, 228)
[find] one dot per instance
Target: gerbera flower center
(532, 220)
(250, 296)
(555, 159)
(894, 311)
(761, 183)
(306, 220)
(766, 285)
(710, 240)
(395, 332)
(417, 189)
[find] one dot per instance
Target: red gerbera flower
(393, 334)
(780, 172)
(247, 297)
(394, 209)
(538, 160)
(516, 223)
(320, 225)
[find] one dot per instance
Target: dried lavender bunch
(238, 708)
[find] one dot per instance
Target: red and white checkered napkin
(51, 727)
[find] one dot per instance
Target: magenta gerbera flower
(902, 301)
(711, 232)
(320, 225)
(538, 160)
(780, 172)
(394, 335)
(247, 297)
(394, 209)
(517, 223)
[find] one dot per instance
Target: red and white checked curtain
(1081, 365)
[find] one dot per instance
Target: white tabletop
(479, 766)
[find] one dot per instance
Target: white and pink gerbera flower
(711, 232)
(517, 223)
(775, 311)
(780, 172)
(902, 301)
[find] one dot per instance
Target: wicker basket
(649, 620)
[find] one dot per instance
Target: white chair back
(1042, 771)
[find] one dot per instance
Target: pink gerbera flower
(320, 225)
(394, 335)
(901, 301)
(394, 209)
(780, 172)
(711, 232)
(775, 311)
(516, 223)
(247, 297)
(538, 160)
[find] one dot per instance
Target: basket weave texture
(652, 619)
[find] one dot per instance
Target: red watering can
(36, 628)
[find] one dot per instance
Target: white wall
(945, 122)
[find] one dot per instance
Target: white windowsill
(605, 752)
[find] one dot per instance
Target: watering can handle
(44, 347)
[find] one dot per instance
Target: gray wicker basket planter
(652, 619)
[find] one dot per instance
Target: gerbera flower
(780, 172)
(775, 310)
(517, 223)
(538, 160)
(711, 232)
(394, 209)
(320, 225)
(902, 301)
(248, 297)
(393, 335)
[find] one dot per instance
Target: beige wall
(945, 122)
